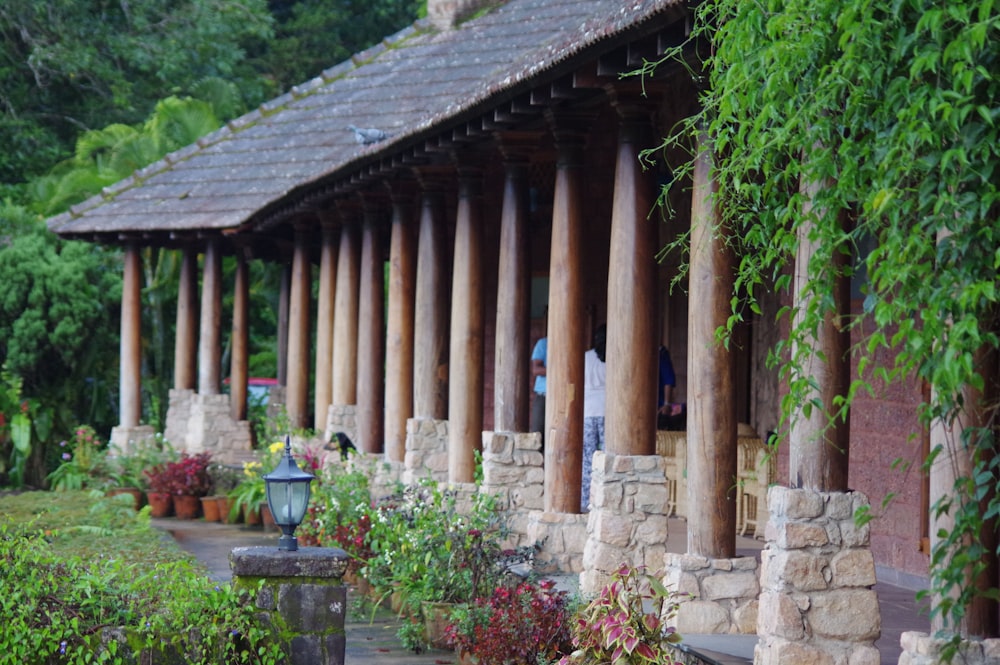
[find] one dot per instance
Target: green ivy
(892, 107)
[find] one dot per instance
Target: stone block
(845, 614)
(745, 618)
(779, 616)
(839, 505)
(606, 495)
(852, 535)
(533, 476)
(742, 585)
(797, 535)
(647, 463)
(793, 569)
(683, 583)
(652, 498)
(800, 653)
(684, 561)
(528, 458)
(864, 655)
(702, 616)
(853, 568)
(528, 441)
(991, 650)
(651, 531)
(498, 447)
(622, 464)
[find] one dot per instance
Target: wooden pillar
(465, 377)
(512, 368)
(239, 360)
(185, 342)
(284, 291)
(399, 335)
(345, 320)
(371, 340)
(630, 409)
(567, 333)
(130, 381)
(819, 449)
(711, 419)
(210, 336)
(296, 399)
(430, 333)
(323, 380)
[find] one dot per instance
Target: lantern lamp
(288, 497)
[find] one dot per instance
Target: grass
(88, 524)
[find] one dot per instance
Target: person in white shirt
(594, 372)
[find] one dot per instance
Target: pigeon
(367, 136)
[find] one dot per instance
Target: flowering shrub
(187, 476)
(526, 624)
(615, 627)
(83, 461)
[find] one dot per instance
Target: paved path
(372, 640)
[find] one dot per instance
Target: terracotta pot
(161, 504)
(435, 621)
(225, 506)
(210, 508)
(187, 507)
(466, 658)
(137, 495)
(251, 517)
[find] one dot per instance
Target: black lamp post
(288, 497)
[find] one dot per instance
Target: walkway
(373, 640)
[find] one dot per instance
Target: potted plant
(248, 495)
(159, 495)
(189, 481)
(626, 623)
(225, 478)
(127, 469)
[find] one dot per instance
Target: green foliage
(862, 124)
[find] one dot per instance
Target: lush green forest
(90, 91)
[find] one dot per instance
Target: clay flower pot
(161, 504)
(186, 506)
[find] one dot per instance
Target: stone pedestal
(302, 600)
(211, 429)
(628, 519)
(922, 649)
(126, 438)
(817, 604)
(178, 414)
(715, 596)
(426, 451)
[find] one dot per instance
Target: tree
(893, 104)
(69, 67)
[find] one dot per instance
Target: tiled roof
(408, 85)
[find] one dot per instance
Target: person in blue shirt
(538, 356)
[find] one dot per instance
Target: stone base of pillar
(178, 415)
(715, 596)
(426, 451)
(301, 599)
(386, 475)
(512, 469)
(628, 518)
(817, 604)
(127, 438)
(923, 649)
(211, 429)
(561, 536)
(342, 418)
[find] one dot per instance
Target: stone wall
(628, 518)
(562, 537)
(817, 604)
(922, 649)
(178, 414)
(715, 596)
(426, 451)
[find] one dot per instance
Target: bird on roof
(367, 136)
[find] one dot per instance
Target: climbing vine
(888, 111)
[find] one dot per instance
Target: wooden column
(465, 377)
(323, 380)
(300, 299)
(345, 319)
(130, 381)
(399, 335)
(371, 340)
(711, 419)
(512, 368)
(240, 357)
(819, 449)
(284, 291)
(430, 332)
(630, 410)
(566, 324)
(210, 336)
(185, 342)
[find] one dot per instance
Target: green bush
(114, 608)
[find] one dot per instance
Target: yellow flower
(276, 447)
